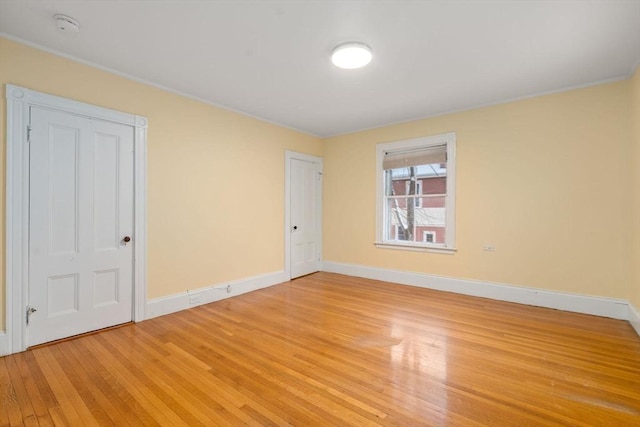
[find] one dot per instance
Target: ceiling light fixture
(66, 24)
(351, 55)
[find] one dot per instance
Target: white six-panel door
(81, 213)
(305, 211)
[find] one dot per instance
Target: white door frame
(19, 101)
(287, 205)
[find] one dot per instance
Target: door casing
(19, 102)
(287, 209)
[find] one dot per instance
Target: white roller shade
(415, 157)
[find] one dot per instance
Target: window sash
(416, 196)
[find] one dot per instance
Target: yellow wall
(553, 182)
(546, 180)
(635, 194)
(215, 178)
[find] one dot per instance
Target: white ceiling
(270, 59)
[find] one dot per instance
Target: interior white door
(80, 218)
(305, 214)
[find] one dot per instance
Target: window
(429, 236)
(416, 193)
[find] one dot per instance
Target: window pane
(435, 185)
(424, 224)
(429, 179)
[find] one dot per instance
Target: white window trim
(450, 237)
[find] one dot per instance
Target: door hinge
(28, 134)
(30, 311)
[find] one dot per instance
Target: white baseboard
(634, 317)
(193, 298)
(598, 306)
(4, 344)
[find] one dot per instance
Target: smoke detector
(66, 24)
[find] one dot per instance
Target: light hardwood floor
(335, 350)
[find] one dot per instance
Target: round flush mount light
(66, 24)
(351, 55)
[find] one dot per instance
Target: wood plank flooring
(332, 350)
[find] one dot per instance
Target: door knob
(126, 239)
(295, 227)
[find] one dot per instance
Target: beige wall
(546, 180)
(215, 178)
(634, 297)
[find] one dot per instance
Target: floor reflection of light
(419, 363)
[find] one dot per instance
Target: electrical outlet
(195, 296)
(489, 248)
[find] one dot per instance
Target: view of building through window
(415, 193)
(415, 203)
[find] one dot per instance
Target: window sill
(416, 248)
